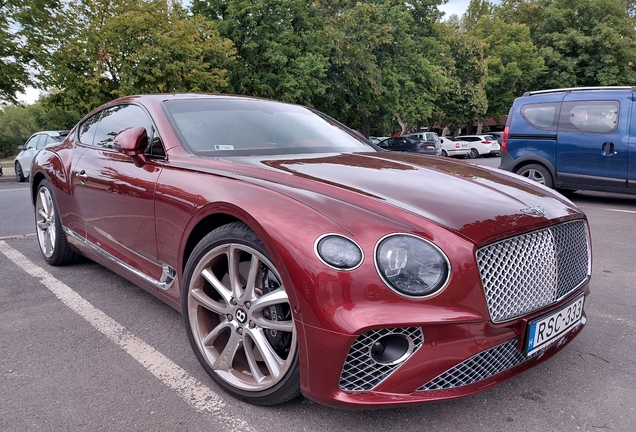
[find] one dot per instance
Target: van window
(541, 115)
(589, 117)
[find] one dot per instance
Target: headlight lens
(339, 252)
(411, 265)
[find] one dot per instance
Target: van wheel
(537, 173)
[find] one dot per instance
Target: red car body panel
(146, 216)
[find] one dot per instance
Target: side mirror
(132, 142)
(21, 147)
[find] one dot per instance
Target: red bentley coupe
(306, 260)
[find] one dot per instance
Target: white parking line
(195, 393)
(621, 211)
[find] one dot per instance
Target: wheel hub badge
(241, 316)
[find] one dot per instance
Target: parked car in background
(34, 144)
(574, 139)
(498, 136)
(411, 144)
(376, 140)
(303, 258)
(481, 145)
(455, 148)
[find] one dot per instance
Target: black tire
(48, 228)
(230, 324)
(444, 153)
(474, 154)
(537, 173)
(19, 174)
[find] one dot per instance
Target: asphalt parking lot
(83, 349)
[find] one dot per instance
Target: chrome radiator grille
(360, 371)
(525, 273)
(479, 367)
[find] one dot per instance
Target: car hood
(479, 203)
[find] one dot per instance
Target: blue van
(578, 138)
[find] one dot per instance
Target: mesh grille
(528, 272)
(479, 367)
(360, 371)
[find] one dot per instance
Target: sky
(456, 7)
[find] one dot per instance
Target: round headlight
(339, 252)
(411, 266)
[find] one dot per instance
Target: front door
(115, 197)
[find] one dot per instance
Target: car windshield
(239, 127)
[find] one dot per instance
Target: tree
(103, 49)
(464, 99)
(280, 44)
(513, 62)
(582, 42)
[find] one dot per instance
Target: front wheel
(48, 227)
(238, 317)
(537, 173)
(19, 174)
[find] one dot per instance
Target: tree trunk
(405, 126)
(480, 125)
(445, 131)
(366, 127)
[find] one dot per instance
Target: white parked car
(34, 144)
(454, 147)
(482, 145)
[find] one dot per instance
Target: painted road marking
(621, 211)
(195, 393)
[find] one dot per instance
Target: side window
(32, 142)
(599, 117)
(117, 119)
(50, 140)
(542, 116)
(87, 129)
(431, 137)
(41, 142)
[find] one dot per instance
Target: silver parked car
(34, 144)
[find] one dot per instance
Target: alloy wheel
(45, 222)
(240, 317)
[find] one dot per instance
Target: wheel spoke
(224, 362)
(273, 362)
(286, 326)
(248, 347)
(210, 338)
(223, 291)
(270, 299)
(221, 308)
(233, 258)
(255, 267)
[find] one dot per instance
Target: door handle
(608, 149)
(82, 176)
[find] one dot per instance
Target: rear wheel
(537, 173)
(238, 317)
(444, 153)
(48, 227)
(474, 154)
(19, 174)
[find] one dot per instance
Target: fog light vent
(376, 354)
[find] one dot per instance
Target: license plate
(465, 146)
(548, 328)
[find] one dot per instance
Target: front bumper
(454, 360)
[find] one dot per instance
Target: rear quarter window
(599, 117)
(542, 116)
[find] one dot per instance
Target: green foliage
(464, 99)
(583, 42)
(513, 62)
(18, 123)
(280, 44)
(107, 49)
